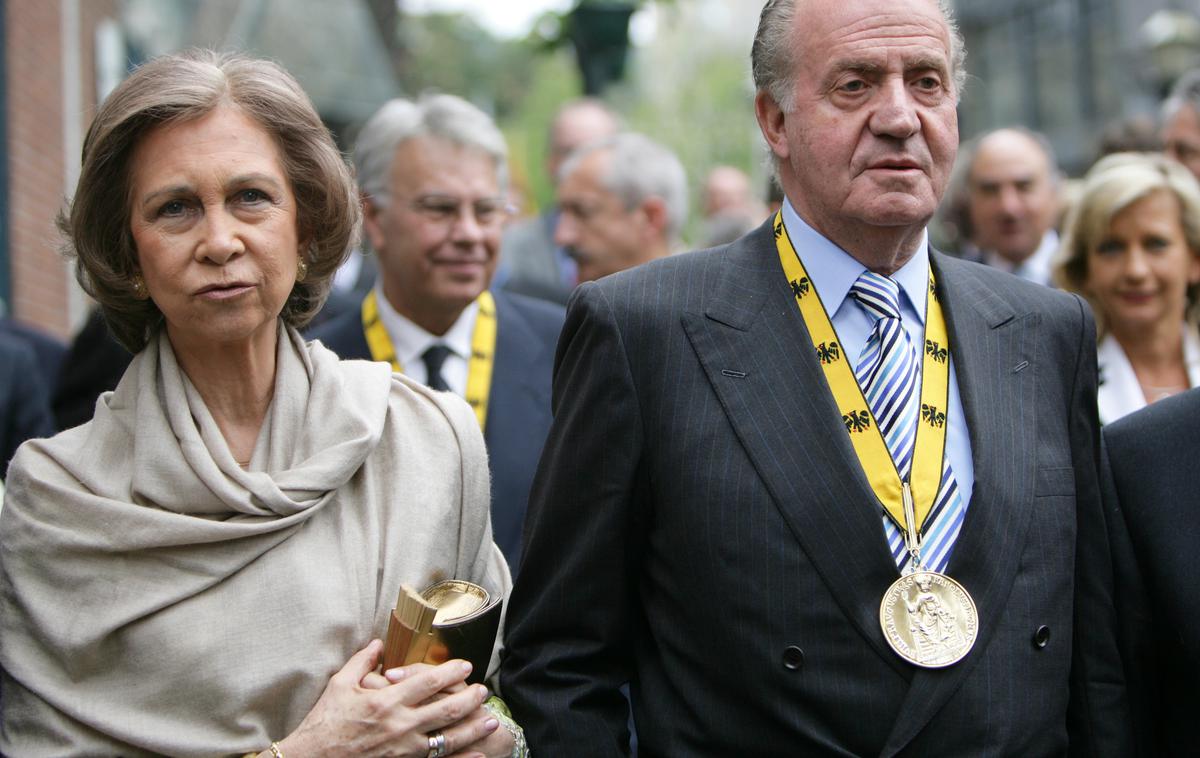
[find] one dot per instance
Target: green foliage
(700, 104)
(520, 84)
(694, 98)
(451, 52)
(553, 81)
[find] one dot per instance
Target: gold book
(451, 619)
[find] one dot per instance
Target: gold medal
(929, 619)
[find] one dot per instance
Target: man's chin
(900, 209)
(1016, 255)
(465, 280)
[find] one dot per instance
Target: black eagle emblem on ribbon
(932, 416)
(800, 287)
(857, 421)
(828, 353)
(936, 351)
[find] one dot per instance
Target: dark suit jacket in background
(701, 527)
(529, 259)
(49, 350)
(518, 406)
(24, 403)
(1153, 499)
(94, 364)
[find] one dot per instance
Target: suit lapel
(993, 348)
(757, 354)
(518, 350)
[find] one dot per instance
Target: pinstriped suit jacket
(700, 527)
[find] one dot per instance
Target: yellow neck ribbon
(483, 349)
(869, 445)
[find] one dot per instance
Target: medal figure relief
(931, 624)
(929, 619)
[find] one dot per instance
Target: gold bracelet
(275, 751)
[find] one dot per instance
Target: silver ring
(437, 746)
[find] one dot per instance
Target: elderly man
(534, 264)
(622, 202)
(1012, 202)
(823, 491)
(1181, 121)
(433, 176)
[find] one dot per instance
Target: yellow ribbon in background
(483, 349)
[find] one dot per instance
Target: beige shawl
(156, 598)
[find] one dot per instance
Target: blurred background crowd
(1053, 87)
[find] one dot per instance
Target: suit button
(793, 658)
(1041, 637)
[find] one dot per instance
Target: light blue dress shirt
(833, 272)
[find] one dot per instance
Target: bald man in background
(729, 206)
(1013, 203)
(531, 263)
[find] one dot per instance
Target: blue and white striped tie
(889, 374)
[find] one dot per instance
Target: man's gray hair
(1185, 91)
(445, 117)
(639, 168)
(773, 64)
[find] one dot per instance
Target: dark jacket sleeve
(1150, 488)
(573, 607)
(1098, 714)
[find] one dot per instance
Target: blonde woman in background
(1132, 248)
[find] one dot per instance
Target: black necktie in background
(434, 357)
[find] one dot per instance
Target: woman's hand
(358, 715)
(497, 744)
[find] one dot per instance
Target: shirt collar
(410, 341)
(1035, 268)
(833, 271)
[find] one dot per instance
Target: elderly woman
(1132, 248)
(193, 571)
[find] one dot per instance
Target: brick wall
(43, 288)
(35, 154)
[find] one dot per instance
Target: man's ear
(654, 208)
(771, 120)
(371, 224)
